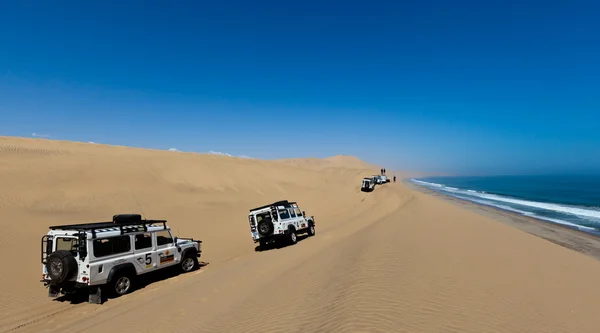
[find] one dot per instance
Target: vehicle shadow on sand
(279, 245)
(141, 282)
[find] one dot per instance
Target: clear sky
(441, 86)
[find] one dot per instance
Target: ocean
(572, 201)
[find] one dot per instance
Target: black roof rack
(276, 203)
(95, 226)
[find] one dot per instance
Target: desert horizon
(395, 259)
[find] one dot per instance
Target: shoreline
(563, 235)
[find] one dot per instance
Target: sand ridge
(394, 260)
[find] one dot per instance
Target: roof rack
(95, 227)
(276, 203)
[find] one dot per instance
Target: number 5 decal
(148, 258)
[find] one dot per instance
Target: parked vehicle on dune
(279, 221)
(368, 184)
(109, 256)
(384, 179)
(378, 179)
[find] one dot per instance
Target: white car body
(279, 220)
(103, 250)
(367, 185)
(378, 179)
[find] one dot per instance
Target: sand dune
(393, 260)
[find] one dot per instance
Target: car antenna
(138, 203)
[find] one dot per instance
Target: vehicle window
(113, 245)
(262, 217)
(298, 212)
(163, 237)
(143, 241)
(68, 244)
(292, 212)
(284, 214)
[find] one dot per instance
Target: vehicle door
(284, 217)
(293, 217)
(301, 220)
(67, 243)
(144, 254)
(165, 248)
(108, 253)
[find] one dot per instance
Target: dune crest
(337, 161)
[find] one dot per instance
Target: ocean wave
(587, 213)
(530, 214)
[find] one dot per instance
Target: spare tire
(61, 266)
(265, 227)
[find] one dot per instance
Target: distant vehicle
(384, 179)
(108, 256)
(378, 179)
(279, 221)
(368, 184)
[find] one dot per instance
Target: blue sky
(465, 87)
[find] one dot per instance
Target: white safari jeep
(368, 184)
(108, 256)
(378, 179)
(281, 220)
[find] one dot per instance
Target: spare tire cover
(265, 227)
(61, 266)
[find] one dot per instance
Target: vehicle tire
(265, 227)
(189, 262)
(292, 237)
(121, 284)
(61, 266)
(311, 230)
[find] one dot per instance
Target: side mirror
(175, 239)
(304, 213)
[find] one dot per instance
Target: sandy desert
(393, 260)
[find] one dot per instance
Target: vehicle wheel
(292, 237)
(121, 284)
(189, 263)
(61, 265)
(311, 230)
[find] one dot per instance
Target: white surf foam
(530, 214)
(592, 214)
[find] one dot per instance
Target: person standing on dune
(394, 178)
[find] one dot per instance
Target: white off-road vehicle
(384, 179)
(368, 184)
(281, 220)
(108, 256)
(378, 179)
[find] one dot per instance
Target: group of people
(383, 173)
